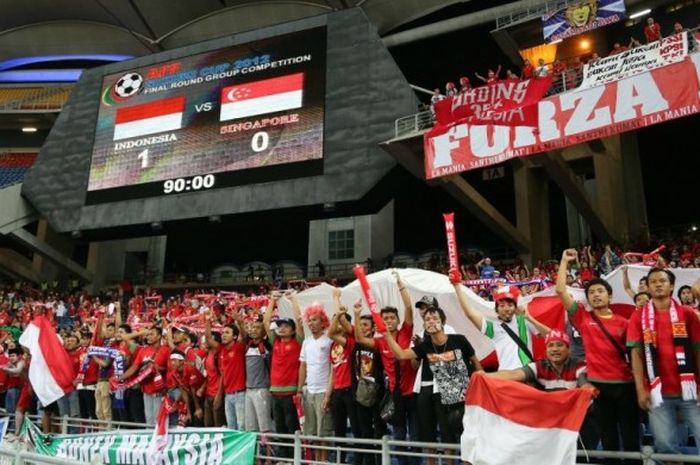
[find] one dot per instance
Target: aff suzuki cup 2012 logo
(125, 87)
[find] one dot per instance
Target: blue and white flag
(581, 17)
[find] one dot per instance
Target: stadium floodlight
(640, 13)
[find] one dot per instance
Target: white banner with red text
(664, 52)
(569, 119)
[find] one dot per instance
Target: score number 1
(143, 156)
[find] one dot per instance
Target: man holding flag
(50, 381)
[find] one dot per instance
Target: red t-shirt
(5, 319)
(75, 357)
(604, 362)
(341, 363)
(666, 353)
(652, 32)
(232, 366)
(92, 370)
(213, 374)
(189, 378)
(284, 367)
(408, 374)
(160, 356)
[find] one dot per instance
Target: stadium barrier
(303, 447)
(10, 457)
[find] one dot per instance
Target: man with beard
(449, 358)
(603, 334)
(665, 340)
(512, 333)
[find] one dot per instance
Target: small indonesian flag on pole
(262, 97)
(149, 118)
(506, 422)
(51, 370)
(159, 440)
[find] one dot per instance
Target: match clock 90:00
(194, 183)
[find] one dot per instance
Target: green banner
(191, 446)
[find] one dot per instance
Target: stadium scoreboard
(237, 115)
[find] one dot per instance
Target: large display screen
(244, 114)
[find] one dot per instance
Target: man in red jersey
(182, 382)
(400, 380)
(652, 31)
(665, 340)
(603, 334)
(343, 406)
(284, 366)
(156, 355)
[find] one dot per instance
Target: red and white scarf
(682, 349)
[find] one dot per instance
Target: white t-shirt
(542, 71)
(315, 352)
(509, 354)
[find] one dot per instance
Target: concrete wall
(374, 237)
(106, 259)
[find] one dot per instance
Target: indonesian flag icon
(51, 370)
(149, 118)
(530, 419)
(261, 97)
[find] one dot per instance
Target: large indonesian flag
(262, 97)
(51, 371)
(507, 423)
(149, 118)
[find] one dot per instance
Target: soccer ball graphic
(128, 85)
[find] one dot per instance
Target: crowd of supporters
(227, 359)
(567, 73)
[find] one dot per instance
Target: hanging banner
(664, 52)
(506, 102)
(580, 17)
(210, 446)
(569, 119)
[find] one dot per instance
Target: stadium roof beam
(562, 174)
(409, 153)
(470, 198)
(45, 250)
(460, 22)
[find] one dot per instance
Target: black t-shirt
(449, 365)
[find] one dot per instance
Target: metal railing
(338, 450)
(10, 457)
(414, 124)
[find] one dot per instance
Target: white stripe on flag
(490, 439)
(43, 383)
(261, 105)
(147, 126)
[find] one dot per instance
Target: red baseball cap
(506, 292)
